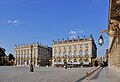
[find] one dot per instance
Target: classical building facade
(74, 51)
(114, 22)
(38, 53)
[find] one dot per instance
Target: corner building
(40, 54)
(74, 51)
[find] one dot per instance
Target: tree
(2, 55)
(11, 59)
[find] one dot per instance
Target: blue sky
(27, 21)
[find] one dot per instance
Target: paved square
(42, 74)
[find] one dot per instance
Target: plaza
(42, 74)
(54, 74)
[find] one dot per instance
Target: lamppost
(31, 65)
(65, 61)
(113, 31)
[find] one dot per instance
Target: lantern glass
(101, 40)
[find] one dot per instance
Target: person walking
(102, 65)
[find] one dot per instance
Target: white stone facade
(74, 51)
(40, 54)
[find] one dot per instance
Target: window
(80, 60)
(70, 53)
(55, 48)
(28, 51)
(75, 60)
(81, 52)
(86, 52)
(81, 46)
(87, 46)
(64, 47)
(60, 54)
(55, 54)
(34, 50)
(24, 51)
(64, 54)
(75, 53)
(16, 52)
(87, 60)
(70, 47)
(75, 47)
(60, 48)
(59, 60)
(70, 60)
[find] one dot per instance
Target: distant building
(41, 55)
(76, 51)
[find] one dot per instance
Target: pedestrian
(102, 65)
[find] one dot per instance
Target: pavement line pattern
(87, 75)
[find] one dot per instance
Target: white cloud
(73, 32)
(15, 22)
(9, 21)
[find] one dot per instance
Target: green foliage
(65, 61)
(81, 63)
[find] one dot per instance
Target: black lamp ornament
(101, 40)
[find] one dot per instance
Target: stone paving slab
(42, 74)
(106, 75)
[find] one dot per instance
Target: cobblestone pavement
(42, 74)
(106, 75)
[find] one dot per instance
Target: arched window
(64, 47)
(60, 48)
(87, 46)
(87, 53)
(60, 54)
(75, 60)
(87, 60)
(80, 60)
(59, 60)
(81, 46)
(70, 53)
(55, 54)
(70, 60)
(70, 47)
(75, 47)
(81, 52)
(75, 53)
(55, 48)
(64, 54)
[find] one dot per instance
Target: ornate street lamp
(112, 32)
(65, 61)
(31, 65)
(101, 40)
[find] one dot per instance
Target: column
(20, 58)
